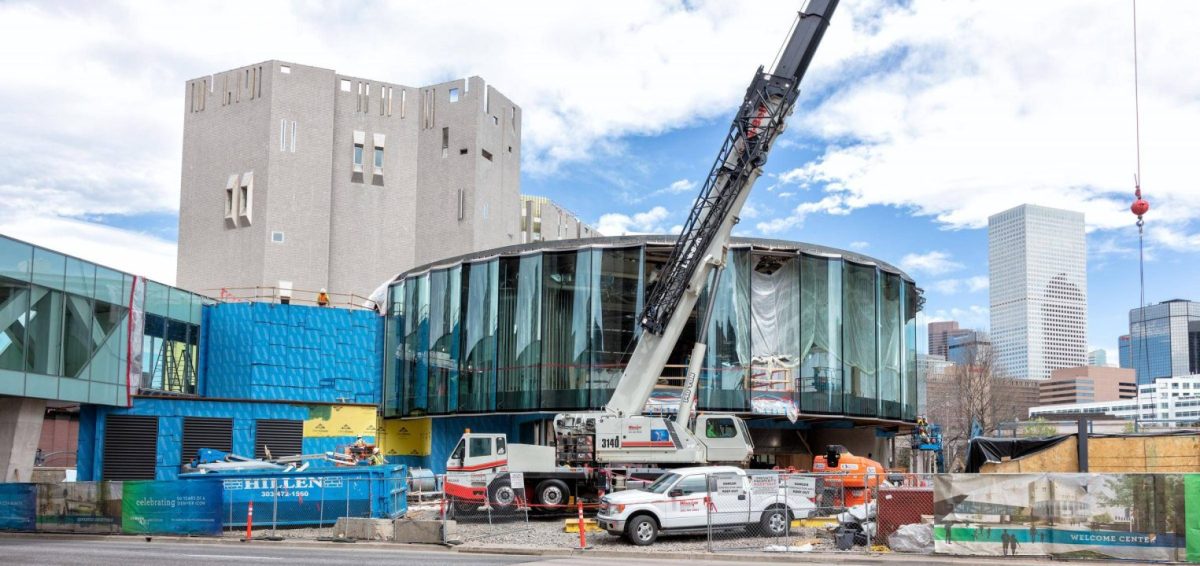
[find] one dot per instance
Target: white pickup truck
(685, 500)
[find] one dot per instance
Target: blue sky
(918, 120)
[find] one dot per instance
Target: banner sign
(18, 506)
(172, 507)
(1127, 516)
(79, 507)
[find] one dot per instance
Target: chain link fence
(316, 510)
(799, 512)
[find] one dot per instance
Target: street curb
(763, 557)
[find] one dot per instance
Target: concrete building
(939, 336)
(1086, 384)
(1165, 340)
(1166, 402)
(304, 178)
(1037, 268)
(963, 346)
(545, 220)
(1097, 358)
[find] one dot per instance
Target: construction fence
(129, 507)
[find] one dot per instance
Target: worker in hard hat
(322, 298)
(377, 458)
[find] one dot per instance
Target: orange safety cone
(249, 522)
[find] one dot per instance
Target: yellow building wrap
(340, 420)
(407, 437)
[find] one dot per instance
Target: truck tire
(501, 495)
(552, 493)
(641, 530)
(774, 522)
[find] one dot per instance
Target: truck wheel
(502, 495)
(774, 522)
(552, 493)
(641, 530)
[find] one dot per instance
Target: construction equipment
(925, 454)
(620, 435)
(848, 479)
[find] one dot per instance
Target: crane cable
(1139, 208)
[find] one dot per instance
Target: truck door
(685, 508)
(723, 438)
(730, 504)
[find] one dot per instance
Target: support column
(20, 430)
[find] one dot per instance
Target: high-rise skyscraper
(1164, 340)
(939, 336)
(1123, 358)
(1037, 268)
(1098, 358)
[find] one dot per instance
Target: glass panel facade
(394, 335)
(415, 374)
(553, 330)
(890, 333)
(445, 287)
(64, 329)
(914, 382)
(726, 371)
(859, 362)
(617, 284)
(477, 370)
(820, 335)
(519, 339)
(566, 308)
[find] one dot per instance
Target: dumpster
(312, 497)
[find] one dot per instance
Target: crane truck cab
(689, 500)
(484, 468)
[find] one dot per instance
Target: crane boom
(702, 243)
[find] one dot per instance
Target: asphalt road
(37, 551)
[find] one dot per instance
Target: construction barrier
(135, 507)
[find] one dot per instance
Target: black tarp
(982, 450)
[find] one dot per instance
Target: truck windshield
(661, 484)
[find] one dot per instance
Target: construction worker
(322, 298)
(377, 458)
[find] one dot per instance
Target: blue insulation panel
(273, 352)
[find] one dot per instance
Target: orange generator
(848, 479)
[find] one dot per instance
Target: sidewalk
(760, 557)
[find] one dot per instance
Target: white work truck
(686, 500)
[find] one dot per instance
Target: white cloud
(940, 108)
(932, 263)
(972, 316)
(648, 222)
(131, 252)
(952, 286)
(859, 245)
(830, 204)
(680, 186)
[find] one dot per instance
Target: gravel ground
(475, 531)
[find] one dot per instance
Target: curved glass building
(797, 329)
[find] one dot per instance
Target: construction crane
(592, 447)
(620, 433)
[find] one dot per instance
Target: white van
(685, 500)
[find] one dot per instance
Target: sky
(917, 120)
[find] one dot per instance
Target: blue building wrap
(259, 361)
(171, 412)
(265, 351)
